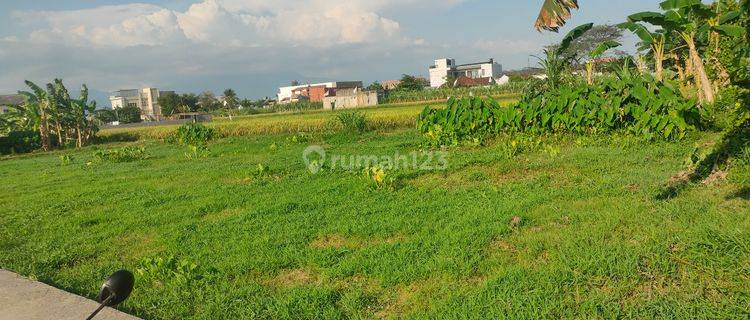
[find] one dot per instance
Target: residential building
(8, 100)
(350, 98)
(447, 68)
(314, 92)
(390, 84)
(145, 99)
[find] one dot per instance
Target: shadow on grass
(732, 144)
(117, 137)
(743, 194)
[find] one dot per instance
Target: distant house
(9, 100)
(390, 84)
(313, 92)
(447, 68)
(350, 98)
(145, 99)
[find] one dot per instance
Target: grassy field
(554, 227)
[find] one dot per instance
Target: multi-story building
(314, 92)
(447, 68)
(6, 101)
(145, 99)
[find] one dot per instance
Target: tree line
(50, 117)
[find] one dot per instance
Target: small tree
(129, 114)
(207, 101)
(188, 103)
(412, 83)
(169, 103)
(376, 86)
(105, 115)
(230, 99)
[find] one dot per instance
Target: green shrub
(193, 134)
(640, 105)
(353, 121)
(125, 154)
(20, 142)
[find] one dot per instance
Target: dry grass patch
(338, 241)
(221, 215)
(289, 278)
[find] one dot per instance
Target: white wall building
(445, 68)
(286, 94)
(145, 99)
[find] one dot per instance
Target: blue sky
(255, 46)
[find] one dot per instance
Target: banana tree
(554, 14)
(35, 111)
(82, 111)
(688, 18)
(654, 41)
(598, 52)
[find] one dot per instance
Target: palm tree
(554, 14)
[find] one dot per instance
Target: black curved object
(115, 290)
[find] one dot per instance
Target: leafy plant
(640, 105)
(66, 160)
(125, 154)
(194, 134)
(378, 178)
(353, 121)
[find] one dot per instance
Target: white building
(145, 99)
(445, 68)
(314, 92)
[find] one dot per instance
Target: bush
(129, 115)
(20, 142)
(125, 154)
(353, 121)
(641, 105)
(193, 134)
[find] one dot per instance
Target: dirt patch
(335, 241)
(293, 278)
(714, 177)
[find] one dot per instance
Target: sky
(255, 46)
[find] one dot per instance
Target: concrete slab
(24, 299)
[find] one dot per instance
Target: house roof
(11, 99)
(464, 81)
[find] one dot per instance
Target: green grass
(217, 237)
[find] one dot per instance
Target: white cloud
(317, 23)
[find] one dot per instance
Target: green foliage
(193, 134)
(353, 121)
(20, 142)
(412, 83)
(124, 154)
(105, 115)
(66, 160)
(378, 178)
(642, 106)
(129, 114)
(401, 96)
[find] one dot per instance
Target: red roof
(464, 81)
